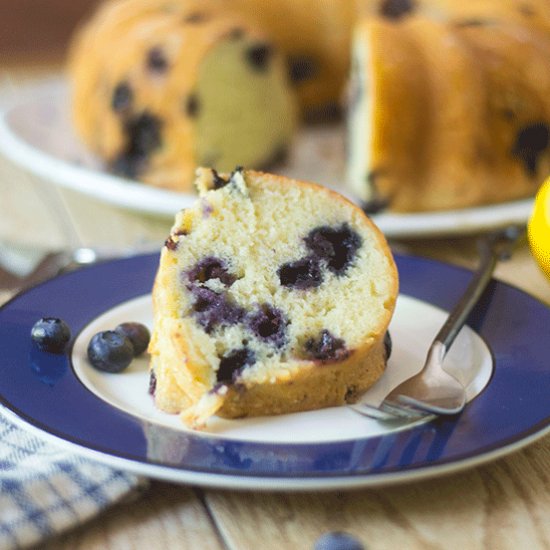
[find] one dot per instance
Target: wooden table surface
(501, 505)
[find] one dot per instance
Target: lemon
(538, 228)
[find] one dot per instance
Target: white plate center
(413, 327)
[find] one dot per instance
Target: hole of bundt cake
(192, 106)
(531, 142)
(326, 347)
(301, 274)
(269, 324)
(156, 60)
(210, 268)
(395, 9)
(213, 309)
(302, 67)
(233, 363)
(259, 56)
(336, 246)
(122, 97)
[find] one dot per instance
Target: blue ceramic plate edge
(283, 483)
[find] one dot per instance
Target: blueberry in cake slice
(272, 296)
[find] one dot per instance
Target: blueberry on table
(51, 334)
(110, 351)
(338, 540)
(137, 333)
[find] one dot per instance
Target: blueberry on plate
(51, 334)
(338, 540)
(110, 351)
(137, 333)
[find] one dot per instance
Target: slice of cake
(272, 296)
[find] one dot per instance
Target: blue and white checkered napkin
(45, 490)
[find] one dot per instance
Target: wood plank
(502, 506)
(163, 516)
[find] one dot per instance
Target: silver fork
(433, 390)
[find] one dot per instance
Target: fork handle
(494, 247)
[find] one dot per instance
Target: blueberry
(51, 334)
(144, 134)
(110, 351)
(122, 97)
(219, 182)
(326, 347)
(396, 9)
(170, 243)
(213, 309)
(209, 268)
(269, 324)
(233, 363)
(335, 245)
(156, 60)
(302, 67)
(531, 142)
(301, 274)
(137, 333)
(192, 106)
(258, 56)
(338, 540)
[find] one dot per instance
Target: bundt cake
(272, 296)
(161, 87)
(449, 104)
(530, 12)
(452, 110)
(314, 35)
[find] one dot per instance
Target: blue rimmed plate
(111, 418)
